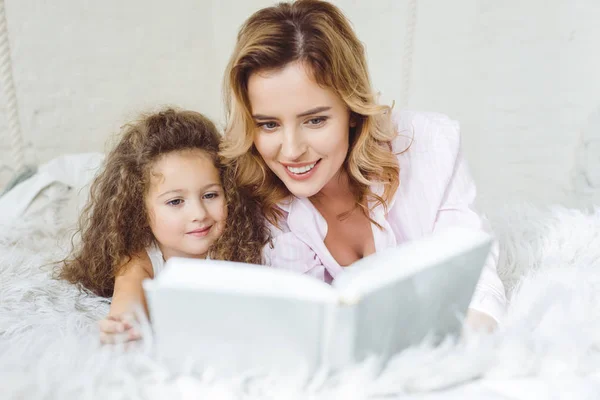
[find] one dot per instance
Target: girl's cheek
(224, 212)
(220, 228)
(221, 210)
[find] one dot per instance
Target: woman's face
(302, 129)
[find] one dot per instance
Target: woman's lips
(301, 176)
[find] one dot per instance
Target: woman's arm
(489, 300)
(128, 294)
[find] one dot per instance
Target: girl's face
(186, 204)
(302, 129)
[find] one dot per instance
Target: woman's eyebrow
(262, 117)
(302, 114)
(312, 111)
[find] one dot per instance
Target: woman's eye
(175, 202)
(316, 121)
(268, 126)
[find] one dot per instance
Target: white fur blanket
(548, 346)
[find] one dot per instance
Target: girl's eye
(175, 202)
(210, 196)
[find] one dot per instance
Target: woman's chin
(302, 189)
(301, 186)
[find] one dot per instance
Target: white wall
(520, 76)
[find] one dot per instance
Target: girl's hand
(118, 329)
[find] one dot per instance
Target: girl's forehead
(178, 156)
(183, 168)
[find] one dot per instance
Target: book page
(240, 278)
(234, 333)
(384, 267)
(239, 317)
(430, 298)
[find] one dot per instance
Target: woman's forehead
(290, 90)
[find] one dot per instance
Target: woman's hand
(481, 322)
(118, 329)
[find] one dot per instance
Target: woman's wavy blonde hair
(114, 225)
(317, 34)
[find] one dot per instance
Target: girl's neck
(167, 253)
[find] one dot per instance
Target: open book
(235, 317)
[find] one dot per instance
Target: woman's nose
(293, 145)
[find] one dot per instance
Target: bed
(548, 346)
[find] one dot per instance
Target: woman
(339, 176)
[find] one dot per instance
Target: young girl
(162, 193)
(338, 175)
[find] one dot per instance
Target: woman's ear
(353, 120)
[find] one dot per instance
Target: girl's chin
(193, 253)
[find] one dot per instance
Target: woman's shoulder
(424, 131)
(427, 148)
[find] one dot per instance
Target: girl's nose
(199, 212)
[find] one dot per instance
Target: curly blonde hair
(114, 225)
(317, 34)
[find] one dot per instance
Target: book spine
(339, 336)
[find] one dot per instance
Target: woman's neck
(337, 192)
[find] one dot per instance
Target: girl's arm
(128, 285)
(128, 294)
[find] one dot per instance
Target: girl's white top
(157, 259)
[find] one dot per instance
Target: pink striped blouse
(436, 191)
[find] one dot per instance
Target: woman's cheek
(266, 145)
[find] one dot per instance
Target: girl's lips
(200, 232)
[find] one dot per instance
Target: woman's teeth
(301, 170)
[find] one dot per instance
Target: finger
(133, 335)
(111, 326)
(106, 338)
(129, 320)
(126, 318)
(119, 338)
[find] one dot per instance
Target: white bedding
(548, 346)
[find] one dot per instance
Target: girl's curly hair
(114, 225)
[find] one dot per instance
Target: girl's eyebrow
(174, 191)
(211, 185)
(179, 191)
(302, 114)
